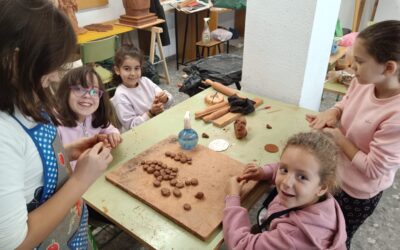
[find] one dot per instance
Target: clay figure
(69, 7)
(240, 128)
(136, 7)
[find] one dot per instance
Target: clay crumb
(204, 135)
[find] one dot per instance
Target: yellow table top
(117, 29)
(157, 231)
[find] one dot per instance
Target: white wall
(115, 8)
(287, 47)
(387, 9)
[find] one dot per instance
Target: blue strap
(43, 136)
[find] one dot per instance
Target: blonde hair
(324, 150)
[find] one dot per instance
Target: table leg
(184, 40)
(176, 39)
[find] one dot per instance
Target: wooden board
(212, 169)
(230, 117)
(86, 4)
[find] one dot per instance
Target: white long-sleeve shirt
(21, 173)
(132, 104)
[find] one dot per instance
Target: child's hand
(92, 163)
(251, 172)
(162, 97)
(324, 119)
(76, 148)
(234, 187)
(104, 139)
(336, 134)
(157, 108)
(114, 139)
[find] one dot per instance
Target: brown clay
(240, 128)
(188, 182)
(272, 148)
(165, 177)
(175, 170)
(142, 162)
(159, 178)
(167, 154)
(165, 192)
(69, 7)
(204, 135)
(156, 173)
(199, 195)
(179, 185)
(194, 182)
(187, 207)
(173, 182)
(177, 192)
(136, 7)
(98, 27)
(150, 170)
(156, 183)
(268, 126)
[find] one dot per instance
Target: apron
(72, 232)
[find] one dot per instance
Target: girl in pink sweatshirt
(300, 213)
(366, 123)
(85, 108)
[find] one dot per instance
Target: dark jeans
(355, 211)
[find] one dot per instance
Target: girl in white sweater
(137, 98)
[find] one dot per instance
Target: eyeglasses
(80, 91)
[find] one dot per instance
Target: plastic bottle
(206, 35)
(188, 137)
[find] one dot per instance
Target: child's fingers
(310, 118)
(112, 141)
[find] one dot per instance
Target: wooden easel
(358, 11)
(156, 39)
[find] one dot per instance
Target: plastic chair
(100, 50)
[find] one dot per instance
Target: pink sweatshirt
(373, 126)
(85, 129)
(132, 104)
(319, 226)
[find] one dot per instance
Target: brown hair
(36, 39)
(122, 53)
(324, 150)
(382, 41)
(83, 76)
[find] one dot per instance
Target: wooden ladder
(156, 39)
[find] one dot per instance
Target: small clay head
(240, 127)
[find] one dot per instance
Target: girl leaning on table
(41, 205)
(300, 213)
(365, 124)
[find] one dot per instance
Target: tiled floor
(379, 232)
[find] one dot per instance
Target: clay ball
(165, 192)
(194, 182)
(187, 207)
(199, 195)
(177, 192)
(173, 182)
(179, 185)
(156, 183)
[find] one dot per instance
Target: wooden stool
(212, 44)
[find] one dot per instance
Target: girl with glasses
(85, 108)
